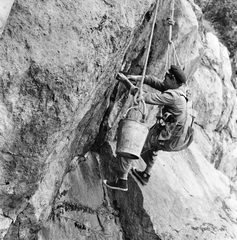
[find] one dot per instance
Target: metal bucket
(131, 137)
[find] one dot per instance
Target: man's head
(175, 77)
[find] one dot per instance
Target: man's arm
(161, 99)
(154, 83)
(149, 80)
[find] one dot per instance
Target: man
(171, 96)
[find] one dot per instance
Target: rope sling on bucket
(132, 134)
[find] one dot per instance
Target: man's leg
(149, 156)
(124, 167)
(121, 182)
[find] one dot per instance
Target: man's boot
(143, 177)
(118, 184)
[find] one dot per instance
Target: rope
(148, 51)
(171, 46)
(176, 55)
(172, 18)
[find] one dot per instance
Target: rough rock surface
(60, 106)
(216, 96)
(185, 199)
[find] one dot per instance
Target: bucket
(131, 137)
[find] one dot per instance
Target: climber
(172, 98)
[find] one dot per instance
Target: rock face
(60, 106)
(216, 96)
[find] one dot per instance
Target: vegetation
(223, 15)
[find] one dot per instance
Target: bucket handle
(137, 107)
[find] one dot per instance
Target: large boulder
(215, 100)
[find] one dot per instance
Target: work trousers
(148, 156)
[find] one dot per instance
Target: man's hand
(134, 78)
(122, 78)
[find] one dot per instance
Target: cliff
(60, 106)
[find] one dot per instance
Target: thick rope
(176, 56)
(148, 51)
(171, 18)
(171, 47)
(167, 59)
